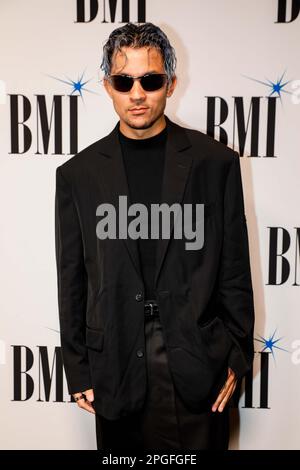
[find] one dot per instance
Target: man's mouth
(138, 110)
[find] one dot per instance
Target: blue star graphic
(77, 86)
(276, 87)
(270, 343)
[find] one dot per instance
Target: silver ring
(79, 398)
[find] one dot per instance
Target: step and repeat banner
(238, 75)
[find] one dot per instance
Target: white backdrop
(228, 52)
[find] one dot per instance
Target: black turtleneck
(144, 166)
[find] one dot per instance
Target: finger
(222, 393)
(85, 405)
(77, 396)
(85, 402)
(218, 400)
(224, 401)
(89, 394)
(227, 397)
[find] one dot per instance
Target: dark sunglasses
(149, 82)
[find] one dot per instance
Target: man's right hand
(86, 404)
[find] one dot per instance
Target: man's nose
(137, 91)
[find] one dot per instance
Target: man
(154, 336)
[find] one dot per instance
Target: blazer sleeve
(72, 287)
(235, 286)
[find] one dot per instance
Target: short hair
(139, 35)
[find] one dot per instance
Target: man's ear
(171, 87)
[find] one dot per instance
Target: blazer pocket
(94, 338)
(216, 330)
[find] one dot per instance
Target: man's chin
(139, 125)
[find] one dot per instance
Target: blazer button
(139, 353)
(139, 297)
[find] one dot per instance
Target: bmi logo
(287, 11)
(88, 10)
(38, 374)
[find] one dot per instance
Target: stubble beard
(144, 125)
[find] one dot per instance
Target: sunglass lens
(121, 83)
(153, 82)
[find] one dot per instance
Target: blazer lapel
(114, 182)
(178, 161)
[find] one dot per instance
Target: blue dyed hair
(139, 35)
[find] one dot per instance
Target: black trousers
(164, 422)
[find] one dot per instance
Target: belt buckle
(151, 309)
(151, 305)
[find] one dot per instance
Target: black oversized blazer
(205, 296)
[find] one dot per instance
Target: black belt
(151, 309)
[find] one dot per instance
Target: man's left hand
(226, 391)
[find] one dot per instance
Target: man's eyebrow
(153, 71)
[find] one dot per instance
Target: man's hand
(226, 391)
(85, 402)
